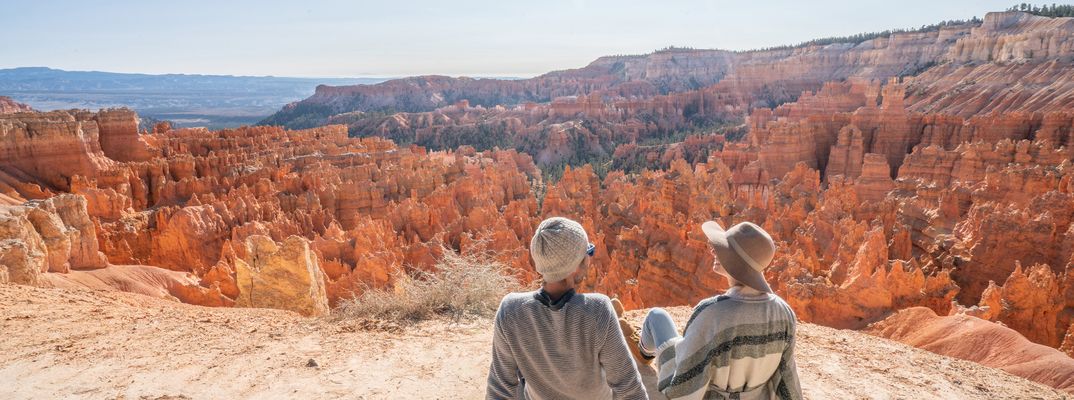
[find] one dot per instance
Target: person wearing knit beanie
(558, 248)
(554, 343)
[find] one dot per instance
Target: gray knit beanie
(558, 247)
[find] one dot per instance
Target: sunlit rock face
(9, 106)
(281, 275)
(366, 207)
(53, 235)
(969, 338)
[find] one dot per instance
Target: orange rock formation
(193, 201)
(8, 106)
(908, 172)
(970, 338)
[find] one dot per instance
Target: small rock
(312, 363)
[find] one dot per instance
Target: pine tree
(1053, 10)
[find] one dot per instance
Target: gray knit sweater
(574, 352)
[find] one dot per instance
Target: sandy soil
(60, 343)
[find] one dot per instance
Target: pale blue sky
(398, 38)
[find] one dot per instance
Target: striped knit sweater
(573, 352)
(734, 347)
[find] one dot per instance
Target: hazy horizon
(482, 39)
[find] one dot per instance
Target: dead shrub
(457, 286)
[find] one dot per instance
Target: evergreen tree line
(861, 37)
(1061, 10)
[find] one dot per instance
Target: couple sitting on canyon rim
(554, 343)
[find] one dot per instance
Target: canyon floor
(61, 343)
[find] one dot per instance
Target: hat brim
(735, 266)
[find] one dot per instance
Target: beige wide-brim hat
(745, 251)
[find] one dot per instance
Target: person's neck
(744, 290)
(556, 290)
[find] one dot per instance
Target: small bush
(458, 286)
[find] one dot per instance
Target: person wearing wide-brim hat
(739, 344)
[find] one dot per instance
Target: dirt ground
(60, 343)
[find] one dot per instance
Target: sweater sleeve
(683, 368)
(503, 380)
(785, 380)
(619, 368)
(676, 379)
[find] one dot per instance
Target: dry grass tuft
(457, 287)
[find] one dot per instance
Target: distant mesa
(216, 101)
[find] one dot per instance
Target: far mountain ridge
(802, 67)
(46, 78)
(216, 101)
